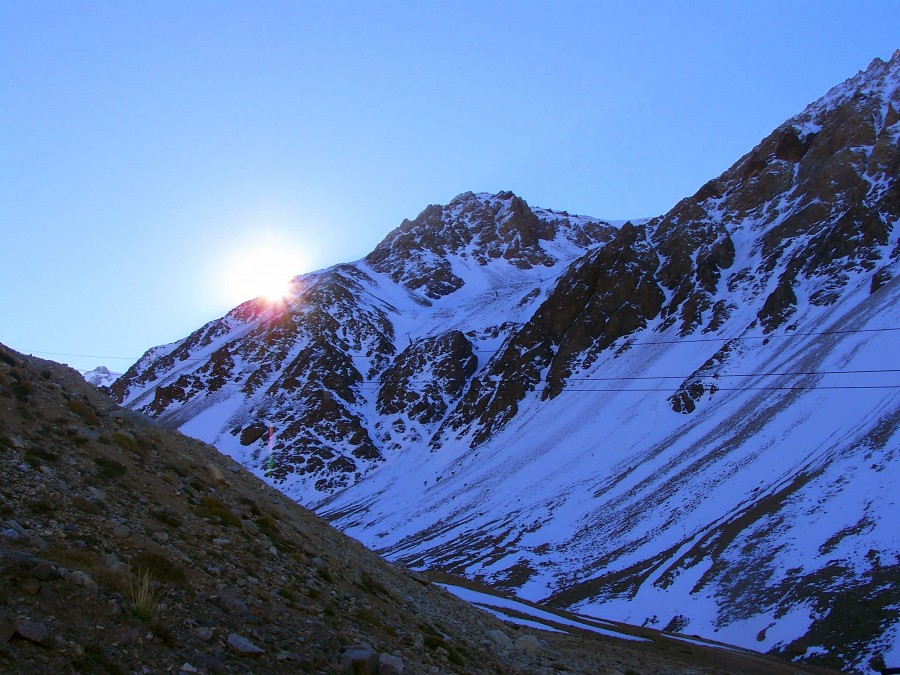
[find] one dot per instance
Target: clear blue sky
(145, 147)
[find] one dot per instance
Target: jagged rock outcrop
(482, 228)
(310, 369)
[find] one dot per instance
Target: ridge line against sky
(157, 155)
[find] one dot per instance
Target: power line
(717, 375)
(615, 378)
(762, 337)
(374, 387)
(87, 356)
(576, 390)
(494, 351)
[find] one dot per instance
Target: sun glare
(261, 272)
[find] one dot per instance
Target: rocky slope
(128, 548)
(688, 421)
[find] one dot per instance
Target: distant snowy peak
(482, 228)
(101, 377)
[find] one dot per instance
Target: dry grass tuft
(145, 595)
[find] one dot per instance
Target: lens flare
(263, 271)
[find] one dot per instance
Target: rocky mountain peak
(644, 400)
(101, 376)
(480, 229)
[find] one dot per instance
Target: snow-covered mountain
(101, 376)
(689, 422)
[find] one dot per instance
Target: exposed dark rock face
(482, 229)
(606, 295)
(425, 375)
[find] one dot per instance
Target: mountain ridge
(724, 362)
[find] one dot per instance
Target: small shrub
(433, 642)
(283, 545)
(254, 509)
(40, 507)
(287, 594)
(22, 389)
(34, 456)
(210, 507)
(84, 411)
(124, 441)
(266, 524)
(325, 574)
(145, 446)
(371, 618)
(211, 502)
(199, 485)
(177, 470)
(372, 584)
(110, 468)
(158, 567)
(145, 593)
(166, 517)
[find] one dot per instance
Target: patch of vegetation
(36, 456)
(166, 517)
(158, 567)
(22, 389)
(110, 468)
(84, 411)
(266, 524)
(125, 441)
(86, 505)
(145, 593)
(137, 446)
(325, 574)
(254, 509)
(371, 584)
(434, 642)
(371, 618)
(40, 507)
(287, 594)
(199, 485)
(76, 437)
(94, 660)
(177, 470)
(210, 507)
(211, 502)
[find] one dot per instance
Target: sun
(262, 271)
